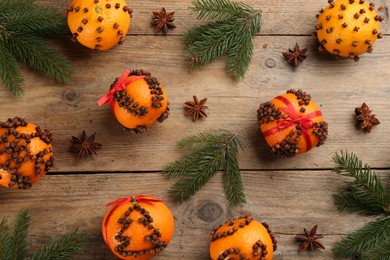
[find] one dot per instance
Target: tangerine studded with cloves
(242, 238)
(138, 228)
(142, 103)
(292, 123)
(99, 24)
(25, 153)
(348, 28)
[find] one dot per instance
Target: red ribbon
(122, 201)
(305, 122)
(120, 85)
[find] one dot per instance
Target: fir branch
(13, 243)
(203, 141)
(64, 247)
(9, 71)
(238, 62)
(23, 26)
(38, 20)
(184, 165)
(367, 238)
(347, 201)
(6, 5)
(197, 176)
(232, 33)
(366, 193)
(219, 10)
(380, 252)
(5, 240)
(214, 40)
(234, 188)
(211, 151)
(19, 235)
(35, 53)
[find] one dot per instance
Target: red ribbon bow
(120, 85)
(122, 201)
(305, 122)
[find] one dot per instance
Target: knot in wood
(71, 97)
(210, 212)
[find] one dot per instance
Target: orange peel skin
(348, 28)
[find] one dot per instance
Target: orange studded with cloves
(138, 227)
(141, 103)
(26, 153)
(348, 28)
(242, 238)
(99, 24)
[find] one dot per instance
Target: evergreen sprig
(211, 151)
(13, 243)
(364, 194)
(234, 26)
(23, 28)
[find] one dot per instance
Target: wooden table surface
(289, 194)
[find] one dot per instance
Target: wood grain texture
(280, 17)
(287, 200)
(338, 86)
(287, 193)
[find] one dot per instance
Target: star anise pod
(163, 20)
(309, 239)
(196, 108)
(85, 146)
(367, 119)
(295, 56)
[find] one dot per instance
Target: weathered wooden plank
(289, 17)
(287, 200)
(337, 85)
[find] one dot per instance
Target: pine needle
(211, 151)
(364, 194)
(197, 176)
(19, 235)
(64, 247)
(9, 71)
(184, 165)
(13, 243)
(238, 61)
(5, 240)
(367, 238)
(234, 188)
(213, 41)
(35, 53)
(23, 27)
(37, 20)
(380, 252)
(231, 33)
(219, 10)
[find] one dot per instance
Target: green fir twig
(19, 235)
(364, 194)
(23, 28)
(380, 252)
(5, 240)
(210, 152)
(366, 239)
(13, 243)
(231, 31)
(64, 247)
